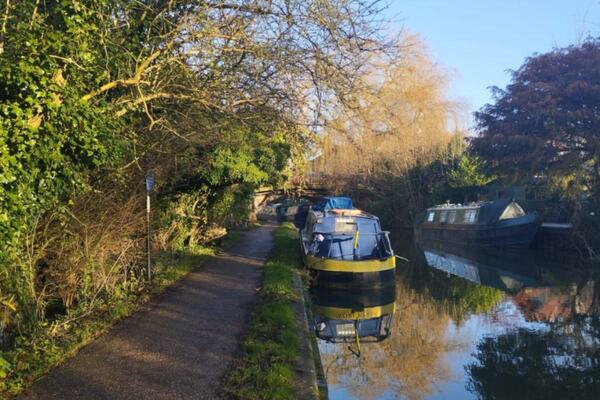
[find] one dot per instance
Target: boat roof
(488, 210)
(330, 203)
(342, 213)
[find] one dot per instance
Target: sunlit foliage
(212, 98)
(468, 173)
(398, 138)
(401, 117)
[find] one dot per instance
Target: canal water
(467, 324)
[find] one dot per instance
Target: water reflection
(403, 363)
(359, 316)
(551, 363)
(477, 324)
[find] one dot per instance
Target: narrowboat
(494, 223)
(345, 247)
(346, 316)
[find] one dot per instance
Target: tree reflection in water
(409, 362)
(560, 363)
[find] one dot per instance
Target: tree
(468, 177)
(469, 173)
(401, 117)
(547, 120)
(391, 145)
(213, 96)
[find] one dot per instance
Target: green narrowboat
(495, 223)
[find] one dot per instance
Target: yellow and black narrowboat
(345, 247)
(348, 316)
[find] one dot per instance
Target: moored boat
(494, 223)
(345, 247)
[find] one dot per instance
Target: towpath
(179, 345)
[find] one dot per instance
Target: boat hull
(500, 234)
(350, 314)
(342, 274)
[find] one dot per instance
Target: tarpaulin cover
(329, 203)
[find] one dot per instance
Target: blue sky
(477, 41)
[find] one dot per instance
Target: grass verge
(265, 369)
(28, 358)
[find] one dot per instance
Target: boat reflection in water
(541, 294)
(473, 324)
(353, 316)
(508, 271)
(542, 340)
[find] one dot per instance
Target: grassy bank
(266, 367)
(28, 358)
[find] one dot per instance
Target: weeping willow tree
(399, 123)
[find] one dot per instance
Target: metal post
(149, 188)
(148, 225)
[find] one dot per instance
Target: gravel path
(179, 345)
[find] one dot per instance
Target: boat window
(513, 210)
(443, 216)
(345, 225)
(430, 216)
(350, 247)
(369, 327)
(470, 216)
(452, 217)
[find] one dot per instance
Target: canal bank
(277, 358)
(181, 343)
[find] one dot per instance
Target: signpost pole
(148, 225)
(149, 187)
